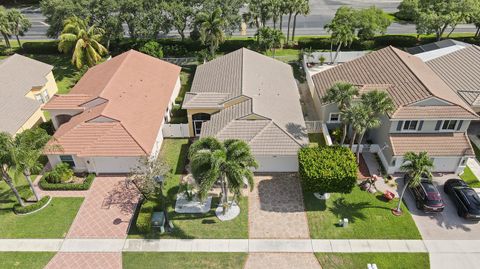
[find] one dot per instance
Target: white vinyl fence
(175, 130)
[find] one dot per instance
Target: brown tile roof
(432, 112)
(461, 71)
(411, 79)
(134, 90)
(439, 144)
(67, 101)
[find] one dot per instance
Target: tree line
(12, 23)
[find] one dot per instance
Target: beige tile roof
(268, 84)
(18, 75)
(204, 100)
(133, 91)
(439, 144)
(432, 112)
(461, 71)
(411, 79)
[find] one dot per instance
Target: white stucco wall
(277, 163)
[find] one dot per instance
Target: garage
(446, 164)
(274, 163)
(108, 165)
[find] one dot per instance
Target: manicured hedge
(144, 218)
(67, 186)
(327, 169)
(42, 47)
(18, 209)
(323, 43)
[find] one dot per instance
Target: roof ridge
(127, 54)
(242, 71)
(133, 138)
(261, 131)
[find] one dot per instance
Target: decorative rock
(324, 196)
(232, 212)
(194, 206)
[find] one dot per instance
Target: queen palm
(415, 166)
(83, 40)
(341, 93)
(362, 122)
(19, 23)
(379, 101)
(5, 26)
(211, 26)
(229, 162)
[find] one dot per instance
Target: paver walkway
(105, 213)
(276, 207)
(276, 210)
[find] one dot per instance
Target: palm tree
(229, 162)
(29, 146)
(211, 26)
(6, 162)
(19, 23)
(341, 93)
(83, 40)
(5, 26)
(379, 101)
(415, 165)
(361, 122)
(301, 7)
(270, 39)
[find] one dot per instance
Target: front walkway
(105, 214)
(281, 261)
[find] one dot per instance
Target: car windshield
(431, 191)
(472, 197)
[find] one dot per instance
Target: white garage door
(277, 163)
(107, 165)
(445, 164)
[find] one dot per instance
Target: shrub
(18, 209)
(327, 169)
(45, 185)
(44, 47)
(177, 111)
(152, 48)
(399, 41)
(144, 218)
(48, 127)
(179, 100)
(60, 173)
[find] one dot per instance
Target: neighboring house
(114, 115)
(25, 85)
(433, 50)
(249, 96)
(429, 116)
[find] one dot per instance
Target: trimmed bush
(18, 209)
(327, 169)
(60, 173)
(144, 218)
(152, 48)
(48, 127)
(45, 185)
(399, 41)
(179, 100)
(43, 47)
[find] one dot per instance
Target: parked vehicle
(427, 197)
(465, 198)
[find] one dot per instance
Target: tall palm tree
(29, 146)
(19, 23)
(83, 40)
(416, 166)
(212, 29)
(362, 122)
(302, 7)
(341, 93)
(7, 162)
(379, 101)
(229, 162)
(5, 26)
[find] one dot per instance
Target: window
(39, 98)
(45, 95)
(410, 125)
(334, 117)
(449, 125)
(68, 159)
(42, 97)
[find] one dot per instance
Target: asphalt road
(321, 12)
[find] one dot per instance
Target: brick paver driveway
(105, 213)
(281, 261)
(276, 207)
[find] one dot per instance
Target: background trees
(211, 26)
(270, 39)
(12, 22)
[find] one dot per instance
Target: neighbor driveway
(445, 225)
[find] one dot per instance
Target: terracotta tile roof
(130, 94)
(67, 101)
(461, 71)
(432, 112)
(411, 79)
(439, 144)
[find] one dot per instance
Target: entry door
(197, 126)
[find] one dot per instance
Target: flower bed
(85, 185)
(22, 210)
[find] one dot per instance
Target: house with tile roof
(429, 115)
(249, 96)
(25, 85)
(114, 115)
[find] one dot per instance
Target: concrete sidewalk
(239, 245)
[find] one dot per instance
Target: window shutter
(399, 125)
(459, 125)
(437, 127)
(420, 125)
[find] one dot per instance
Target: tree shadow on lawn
(353, 211)
(182, 160)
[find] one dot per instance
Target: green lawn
(25, 260)
(51, 222)
(470, 178)
(369, 217)
(184, 260)
(316, 139)
(193, 225)
(382, 260)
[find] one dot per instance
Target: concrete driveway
(446, 225)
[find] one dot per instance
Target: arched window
(198, 119)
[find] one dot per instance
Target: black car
(466, 199)
(427, 197)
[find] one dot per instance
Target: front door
(198, 120)
(197, 126)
